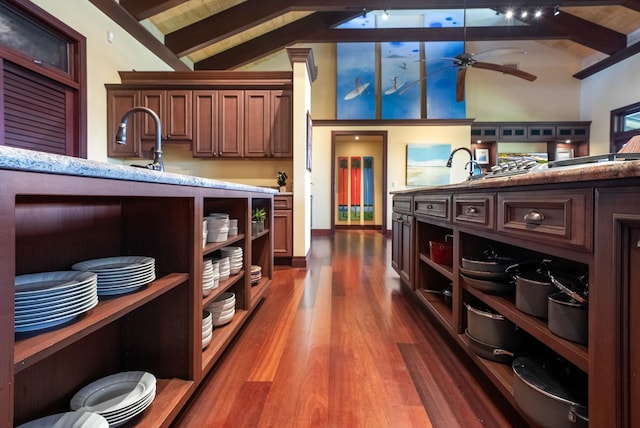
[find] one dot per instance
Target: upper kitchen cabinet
(173, 107)
(268, 128)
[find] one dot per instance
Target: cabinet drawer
(433, 206)
(562, 218)
(402, 204)
(474, 210)
(283, 202)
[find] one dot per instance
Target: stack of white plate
(235, 258)
(233, 226)
(205, 232)
(210, 276)
(223, 267)
(120, 275)
(47, 299)
(222, 309)
(256, 274)
(118, 398)
(207, 328)
(69, 420)
(217, 227)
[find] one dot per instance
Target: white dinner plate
(36, 301)
(53, 306)
(68, 420)
(110, 264)
(113, 392)
(120, 420)
(49, 283)
(62, 319)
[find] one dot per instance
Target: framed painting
(427, 164)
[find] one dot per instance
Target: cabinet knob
(429, 207)
(533, 217)
(471, 210)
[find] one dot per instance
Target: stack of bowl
(217, 227)
(205, 232)
(234, 254)
(233, 226)
(224, 268)
(210, 276)
(207, 328)
(222, 309)
(256, 274)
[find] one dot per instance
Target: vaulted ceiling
(226, 34)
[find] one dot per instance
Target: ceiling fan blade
(415, 82)
(507, 70)
(460, 78)
(497, 52)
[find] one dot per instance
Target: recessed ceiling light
(538, 13)
(509, 14)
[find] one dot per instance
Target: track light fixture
(556, 10)
(364, 12)
(524, 13)
(538, 13)
(385, 15)
(509, 14)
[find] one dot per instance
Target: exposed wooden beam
(631, 4)
(143, 9)
(224, 24)
(327, 5)
(114, 11)
(583, 32)
(608, 62)
(273, 41)
(431, 34)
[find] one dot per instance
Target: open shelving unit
(49, 222)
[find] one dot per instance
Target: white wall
(616, 87)
(104, 60)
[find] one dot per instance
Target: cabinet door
(281, 124)
(283, 233)
(230, 123)
(174, 110)
(396, 242)
(205, 123)
(256, 125)
(118, 103)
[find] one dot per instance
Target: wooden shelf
(210, 247)
(444, 270)
(171, 395)
(437, 307)
(575, 353)
(30, 350)
(221, 337)
(260, 235)
(258, 290)
(223, 286)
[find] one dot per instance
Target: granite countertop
(611, 170)
(33, 161)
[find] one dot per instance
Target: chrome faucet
(472, 163)
(121, 136)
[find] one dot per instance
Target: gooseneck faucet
(471, 163)
(121, 135)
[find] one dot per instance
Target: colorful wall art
(440, 80)
(356, 172)
(343, 188)
(400, 65)
(427, 164)
(356, 81)
(367, 187)
(355, 188)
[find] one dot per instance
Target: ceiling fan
(467, 59)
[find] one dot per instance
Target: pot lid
(552, 377)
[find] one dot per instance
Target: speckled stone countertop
(28, 160)
(611, 170)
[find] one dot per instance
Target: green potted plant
(258, 216)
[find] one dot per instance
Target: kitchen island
(586, 218)
(56, 211)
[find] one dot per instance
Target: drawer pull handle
(429, 207)
(471, 210)
(534, 216)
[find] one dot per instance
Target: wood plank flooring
(338, 345)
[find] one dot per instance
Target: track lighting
(538, 13)
(385, 15)
(509, 14)
(364, 12)
(524, 13)
(556, 10)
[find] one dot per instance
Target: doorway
(358, 180)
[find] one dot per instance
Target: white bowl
(207, 340)
(223, 320)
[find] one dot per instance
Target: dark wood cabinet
(118, 103)
(402, 230)
(281, 138)
(205, 123)
(283, 226)
(230, 123)
(268, 124)
(218, 124)
(174, 108)
(591, 226)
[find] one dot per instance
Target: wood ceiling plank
(143, 9)
(224, 24)
(335, 5)
(584, 32)
(273, 41)
(631, 4)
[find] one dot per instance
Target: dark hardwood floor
(338, 345)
